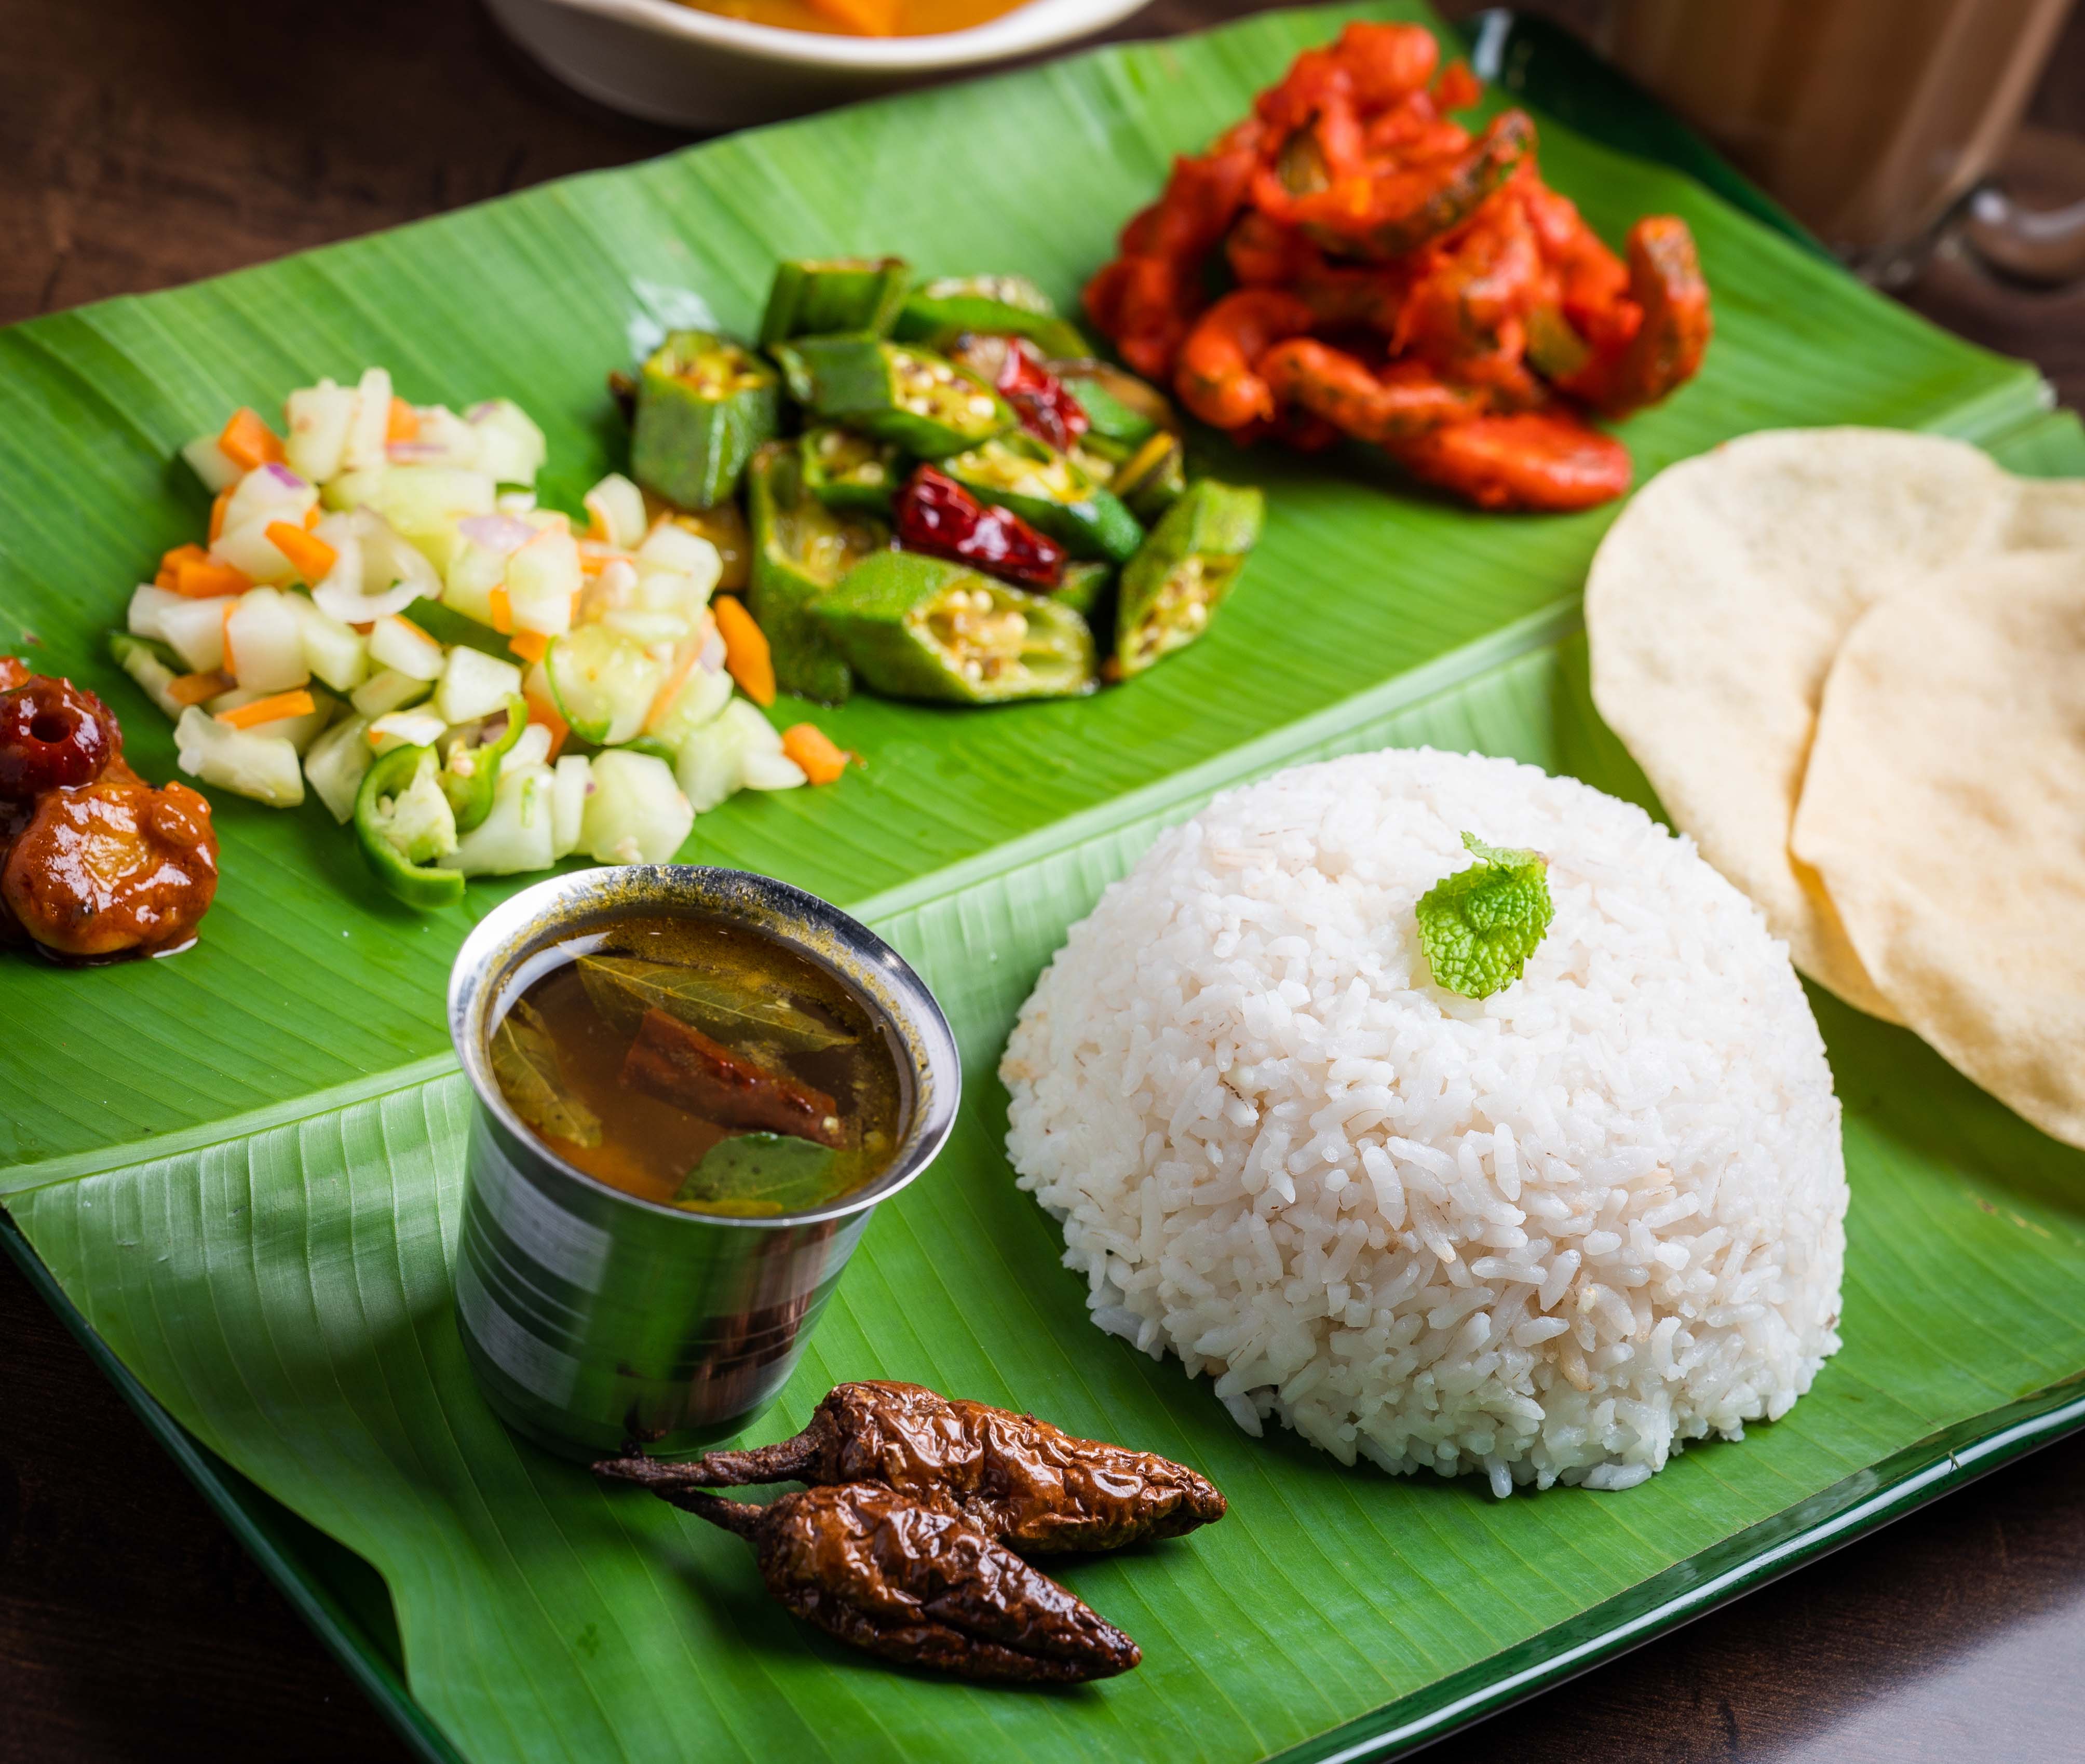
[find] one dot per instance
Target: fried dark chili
(918, 1583)
(1037, 1489)
(909, 1542)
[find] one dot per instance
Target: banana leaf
(242, 1166)
(309, 980)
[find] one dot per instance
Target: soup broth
(698, 1063)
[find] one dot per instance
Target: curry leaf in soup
(524, 1061)
(761, 1172)
(732, 1006)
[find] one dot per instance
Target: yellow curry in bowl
(863, 18)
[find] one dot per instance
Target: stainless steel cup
(593, 1318)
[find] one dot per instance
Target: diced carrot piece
(811, 747)
(216, 509)
(403, 424)
(869, 18)
(249, 442)
(311, 557)
(169, 577)
(206, 580)
(746, 653)
(545, 713)
(272, 709)
(193, 689)
(502, 610)
(530, 646)
(311, 517)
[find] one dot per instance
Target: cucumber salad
(384, 617)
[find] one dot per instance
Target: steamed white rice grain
(1549, 1236)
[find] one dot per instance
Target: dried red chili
(678, 1062)
(935, 514)
(1047, 410)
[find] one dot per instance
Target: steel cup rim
(504, 936)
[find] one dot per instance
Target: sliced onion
(502, 533)
(376, 572)
(283, 475)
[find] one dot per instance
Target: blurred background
(148, 143)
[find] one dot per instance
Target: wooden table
(152, 141)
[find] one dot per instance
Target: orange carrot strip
(272, 709)
(193, 689)
(313, 559)
(217, 514)
(249, 442)
(311, 517)
(545, 713)
(231, 662)
(530, 646)
(811, 747)
(403, 424)
(676, 677)
(205, 581)
(746, 653)
(502, 610)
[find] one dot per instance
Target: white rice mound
(1550, 1236)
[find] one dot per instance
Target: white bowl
(672, 64)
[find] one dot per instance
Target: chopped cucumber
(397, 642)
(603, 683)
(195, 629)
(210, 462)
(519, 833)
(384, 693)
(370, 427)
(510, 446)
(712, 758)
(146, 662)
(318, 418)
(335, 763)
(636, 812)
(334, 652)
(262, 766)
(701, 696)
(263, 642)
(542, 578)
(616, 506)
(572, 780)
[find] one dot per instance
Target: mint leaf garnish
(1479, 926)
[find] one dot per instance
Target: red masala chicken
(94, 862)
(1403, 281)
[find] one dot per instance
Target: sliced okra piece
(800, 548)
(1050, 493)
(1151, 480)
(849, 471)
(1171, 588)
(1122, 412)
(895, 391)
(816, 296)
(943, 310)
(703, 404)
(914, 626)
